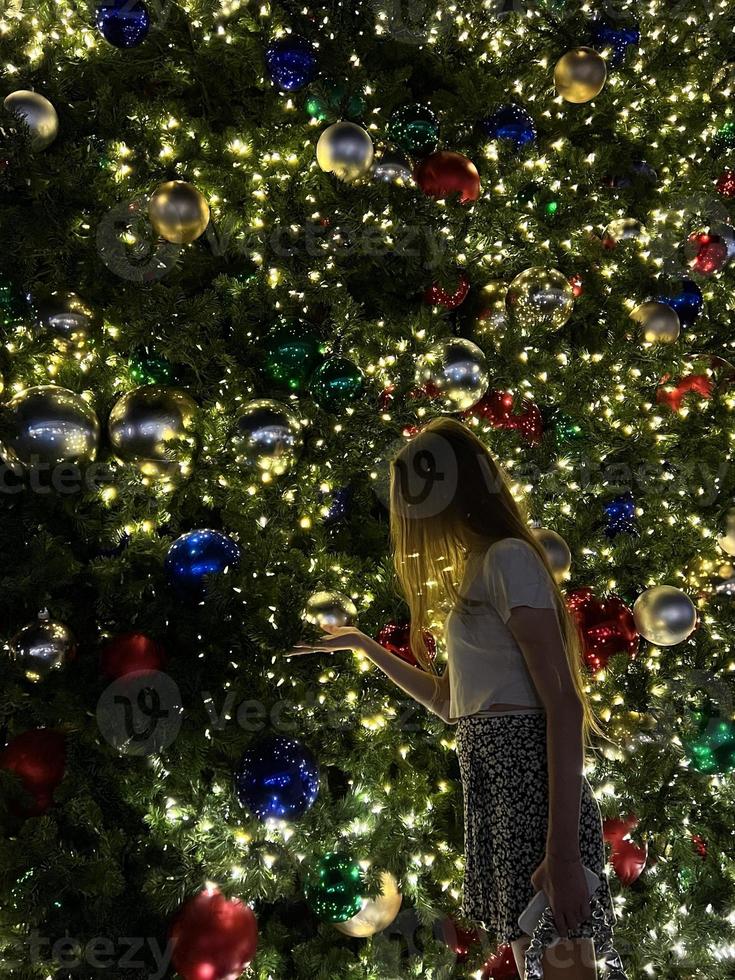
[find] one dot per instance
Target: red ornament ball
(131, 653)
(707, 253)
(445, 173)
(501, 966)
(700, 845)
(577, 285)
(615, 828)
(396, 638)
(607, 627)
(38, 758)
(726, 184)
(496, 407)
(628, 861)
(436, 295)
(459, 940)
(213, 937)
(673, 393)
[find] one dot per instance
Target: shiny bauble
(66, 318)
(178, 212)
(511, 124)
(152, 428)
(396, 637)
(336, 383)
(624, 230)
(540, 298)
(628, 861)
(330, 608)
(620, 515)
(707, 252)
(333, 888)
(42, 647)
(124, 23)
(606, 625)
(580, 75)
(450, 299)
(194, 558)
(38, 115)
(345, 150)
(292, 353)
(38, 758)
(499, 410)
(213, 937)
(291, 62)
(446, 174)
(267, 437)
(48, 426)
(131, 653)
(710, 748)
(149, 368)
(727, 540)
(558, 553)
(377, 913)
(455, 372)
(664, 615)
(415, 129)
(277, 779)
(391, 166)
(686, 299)
(659, 323)
(492, 319)
(608, 34)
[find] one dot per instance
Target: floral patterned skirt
(502, 761)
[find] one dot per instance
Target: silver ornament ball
(659, 322)
(38, 115)
(152, 428)
(267, 436)
(391, 166)
(330, 608)
(664, 615)
(540, 297)
(557, 551)
(454, 370)
(345, 150)
(64, 317)
(47, 426)
(41, 647)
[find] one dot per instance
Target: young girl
(512, 685)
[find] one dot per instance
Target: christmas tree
(248, 248)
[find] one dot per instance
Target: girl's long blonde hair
(448, 497)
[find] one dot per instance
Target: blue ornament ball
(511, 123)
(124, 23)
(607, 35)
(197, 555)
(291, 62)
(278, 778)
(687, 300)
(620, 513)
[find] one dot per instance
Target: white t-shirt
(486, 665)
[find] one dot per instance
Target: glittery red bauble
(673, 393)
(131, 653)
(726, 184)
(395, 637)
(628, 860)
(436, 295)
(38, 757)
(445, 173)
(213, 937)
(606, 625)
(496, 407)
(707, 253)
(501, 966)
(700, 845)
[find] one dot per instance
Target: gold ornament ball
(178, 212)
(659, 322)
(377, 913)
(454, 371)
(330, 608)
(37, 113)
(540, 297)
(580, 75)
(345, 150)
(664, 615)
(557, 551)
(727, 541)
(151, 427)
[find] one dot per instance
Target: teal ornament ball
(333, 888)
(415, 129)
(336, 384)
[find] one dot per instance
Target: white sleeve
(516, 576)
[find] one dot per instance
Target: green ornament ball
(336, 383)
(415, 129)
(333, 888)
(13, 306)
(333, 100)
(724, 138)
(566, 429)
(293, 353)
(711, 749)
(149, 368)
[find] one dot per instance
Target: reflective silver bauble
(557, 551)
(37, 113)
(178, 212)
(659, 322)
(330, 608)
(152, 427)
(41, 647)
(455, 371)
(66, 318)
(540, 297)
(345, 150)
(664, 615)
(46, 426)
(492, 320)
(376, 913)
(391, 166)
(267, 436)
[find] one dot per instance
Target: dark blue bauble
(195, 556)
(511, 123)
(291, 62)
(687, 301)
(278, 778)
(124, 23)
(607, 35)
(620, 513)
(340, 506)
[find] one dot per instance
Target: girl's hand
(336, 638)
(565, 885)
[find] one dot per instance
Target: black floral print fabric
(503, 767)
